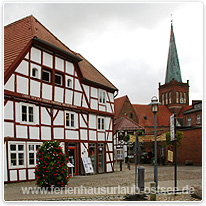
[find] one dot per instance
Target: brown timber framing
(50, 105)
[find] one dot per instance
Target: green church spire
(173, 67)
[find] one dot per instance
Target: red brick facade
(191, 148)
(175, 95)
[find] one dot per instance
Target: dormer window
(35, 72)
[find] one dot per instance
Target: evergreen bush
(51, 169)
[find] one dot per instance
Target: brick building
(174, 98)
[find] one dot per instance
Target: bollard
(120, 165)
(141, 178)
(128, 165)
(153, 191)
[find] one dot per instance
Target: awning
(148, 138)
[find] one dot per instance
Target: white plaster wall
(70, 134)
(17, 108)
(27, 56)
(47, 91)
(36, 55)
(109, 167)
(69, 68)
(83, 134)
(59, 64)
(36, 114)
(86, 89)
(38, 68)
(77, 85)
(34, 88)
(46, 133)
(34, 132)
(110, 146)
(92, 135)
(84, 103)
(92, 121)
(8, 110)
(22, 85)
(110, 136)
(94, 92)
(77, 98)
(31, 174)
(8, 129)
(113, 107)
(21, 131)
(94, 104)
(59, 133)
(109, 108)
(13, 175)
(82, 122)
(23, 68)
(47, 60)
(101, 136)
(22, 174)
(111, 156)
(59, 120)
(5, 164)
(111, 96)
(84, 152)
(58, 94)
(45, 117)
(68, 96)
(10, 84)
(107, 122)
(71, 78)
(107, 157)
(102, 108)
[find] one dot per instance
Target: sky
(127, 42)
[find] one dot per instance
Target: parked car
(146, 157)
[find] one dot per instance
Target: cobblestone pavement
(187, 175)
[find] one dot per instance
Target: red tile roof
(118, 104)
(184, 109)
(146, 116)
(124, 123)
(18, 34)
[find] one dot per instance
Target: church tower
(174, 93)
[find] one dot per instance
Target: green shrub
(51, 168)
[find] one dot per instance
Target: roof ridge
(97, 70)
(35, 19)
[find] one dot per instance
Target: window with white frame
(58, 79)
(189, 121)
(46, 76)
(102, 96)
(100, 123)
(16, 155)
(198, 119)
(69, 119)
(27, 113)
(32, 153)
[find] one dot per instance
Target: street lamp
(154, 103)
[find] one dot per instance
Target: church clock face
(181, 101)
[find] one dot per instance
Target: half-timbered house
(52, 93)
